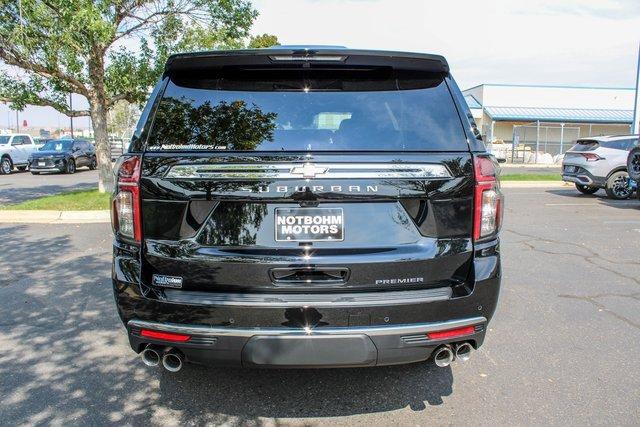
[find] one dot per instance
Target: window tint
(619, 144)
(18, 140)
(276, 112)
(585, 145)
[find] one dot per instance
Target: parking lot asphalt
(561, 349)
(20, 186)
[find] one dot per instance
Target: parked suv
(600, 162)
(64, 156)
(306, 208)
(15, 149)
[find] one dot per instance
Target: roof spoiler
(305, 58)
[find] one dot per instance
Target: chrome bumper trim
(579, 179)
(353, 299)
(410, 329)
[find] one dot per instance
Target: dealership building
(543, 121)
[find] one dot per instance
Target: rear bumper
(308, 332)
(584, 177)
(307, 347)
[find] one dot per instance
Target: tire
(633, 164)
(6, 165)
(618, 186)
(22, 168)
(70, 167)
(94, 164)
(35, 173)
(585, 189)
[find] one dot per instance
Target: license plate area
(41, 163)
(309, 224)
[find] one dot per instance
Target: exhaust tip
(443, 356)
(172, 361)
(463, 351)
(150, 356)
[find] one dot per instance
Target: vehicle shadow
(600, 197)
(278, 393)
(65, 358)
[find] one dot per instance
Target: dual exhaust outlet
(445, 354)
(171, 359)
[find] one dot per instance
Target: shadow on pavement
(22, 186)
(600, 197)
(65, 358)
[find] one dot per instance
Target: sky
(562, 42)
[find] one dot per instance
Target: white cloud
(571, 42)
(541, 41)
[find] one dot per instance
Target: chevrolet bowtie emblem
(308, 170)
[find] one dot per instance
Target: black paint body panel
(218, 237)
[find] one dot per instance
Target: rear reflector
(451, 333)
(165, 336)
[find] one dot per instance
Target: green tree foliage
(263, 40)
(231, 125)
(108, 50)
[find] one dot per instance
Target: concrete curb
(54, 217)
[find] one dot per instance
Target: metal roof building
(553, 116)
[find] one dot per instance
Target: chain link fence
(545, 143)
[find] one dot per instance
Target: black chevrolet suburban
(306, 207)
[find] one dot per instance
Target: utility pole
(71, 112)
(635, 125)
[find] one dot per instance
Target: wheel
(71, 166)
(633, 164)
(585, 189)
(5, 165)
(618, 186)
(94, 164)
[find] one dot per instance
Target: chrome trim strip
(363, 299)
(249, 332)
(248, 171)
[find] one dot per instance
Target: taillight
(125, 216)
(591, 157)
(488, 200)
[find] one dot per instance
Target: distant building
(547, 119)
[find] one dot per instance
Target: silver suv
(600, 162)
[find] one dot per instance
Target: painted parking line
(621, 222)
(609, 203)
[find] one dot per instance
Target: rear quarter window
(619, 144)
(313, 112)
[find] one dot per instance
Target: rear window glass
(585, 146)
(293, 111)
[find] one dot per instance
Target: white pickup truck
(14, 151)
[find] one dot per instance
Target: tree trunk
(103, 148)
(98, 105)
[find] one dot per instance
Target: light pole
(71, 112)
(635, 126)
